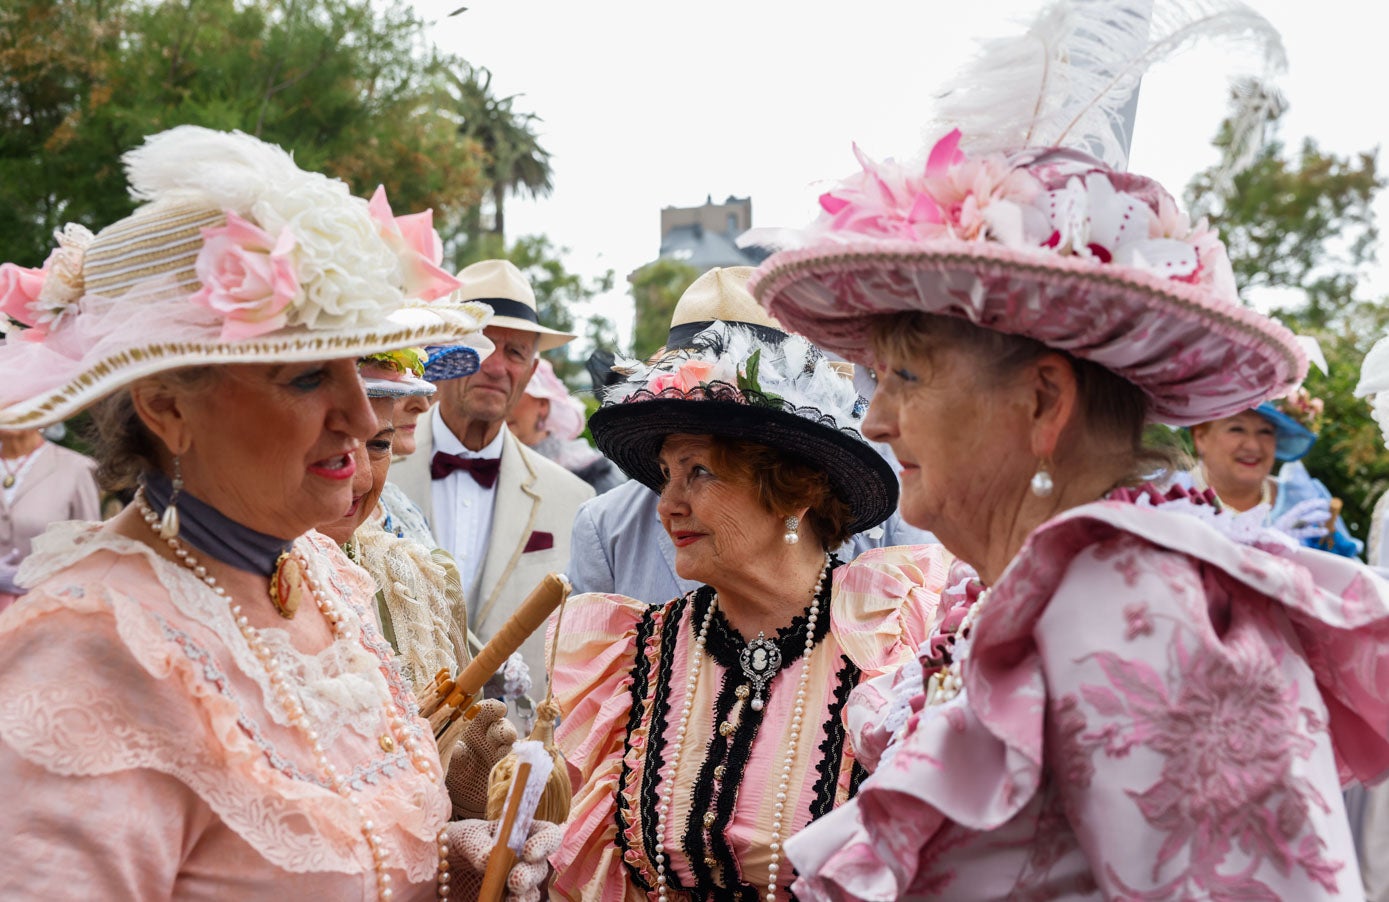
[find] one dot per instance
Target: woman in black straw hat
(1138, 697)
(196, 701)
(707, 729)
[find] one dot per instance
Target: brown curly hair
(783, 484)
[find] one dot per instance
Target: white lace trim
(342, 686)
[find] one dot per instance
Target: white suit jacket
(534, 507)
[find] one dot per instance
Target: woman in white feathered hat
(195, 699)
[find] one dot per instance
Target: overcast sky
(649, 104)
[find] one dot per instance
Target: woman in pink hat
(549, 419)
(196, 701)
(1136, 697)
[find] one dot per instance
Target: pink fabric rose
(20, 287)
(693, 374)
(417, 244)
(248, 277)
(663, 382)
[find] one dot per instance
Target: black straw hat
(732, 383)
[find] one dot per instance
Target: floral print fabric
(1150, 711)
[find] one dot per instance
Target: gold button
(719, 771)
(725, 728)
(711, 862)
(387, 743)
(708, 819)
(742, 691)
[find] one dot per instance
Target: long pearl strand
(294, 708)
(783, 785)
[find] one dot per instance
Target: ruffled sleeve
(885, 607)
(591, 681)
(885, 604)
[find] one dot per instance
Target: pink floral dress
(1149, 710)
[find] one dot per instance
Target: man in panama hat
(502, 510)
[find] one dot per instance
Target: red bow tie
(482, 469)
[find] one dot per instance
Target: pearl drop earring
(1042, 483)
(168, 523)
(793, 523)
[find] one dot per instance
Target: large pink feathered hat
(1022, 219)
(236, 255)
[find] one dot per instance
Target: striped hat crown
(161, 238)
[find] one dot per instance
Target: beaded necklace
(288, 699)
(793, 737)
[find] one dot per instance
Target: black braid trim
(856, 777)
(732, 752)
(641, 674)
(832, 748)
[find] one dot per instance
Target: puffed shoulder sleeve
(592, 679)
(885, 604)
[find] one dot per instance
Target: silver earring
(793, 523)
(1042, 483)
(168, 523)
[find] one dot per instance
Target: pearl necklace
(294, 708)
(792, 739)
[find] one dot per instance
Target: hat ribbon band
(682, 336)
(508, 307)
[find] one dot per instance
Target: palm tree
(516, 163)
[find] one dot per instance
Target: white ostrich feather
(229, 170)
(1065, 82)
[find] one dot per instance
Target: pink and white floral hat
(1046, 241)
(236, 256)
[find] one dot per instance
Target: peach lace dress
(143, 754)
(621, 666)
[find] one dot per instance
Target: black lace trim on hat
(832, 748)
(641, 674)
(723, 391)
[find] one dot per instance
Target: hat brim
(1196, 356)
(455, 362)
(1293, 440)
(107, 372)
(410, 386)
(549, 338)
(631, 434)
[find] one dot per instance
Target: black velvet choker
(212, 532)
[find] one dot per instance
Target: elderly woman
(1235, 459)
(704, 730)
(195, 702)
(42, 483)
(549, 419)
(1136, 698)
(419, 597)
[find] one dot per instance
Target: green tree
(348, 85)
(656, 288)
(1303, 220)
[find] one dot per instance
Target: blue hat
(1294, 440)
(450, 362)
